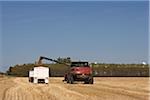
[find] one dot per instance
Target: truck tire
(70, 79)
(91, 80)
(67, 78)
(86, 81)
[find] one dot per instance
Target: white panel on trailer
(39, 73)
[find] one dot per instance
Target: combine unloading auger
(42, 58)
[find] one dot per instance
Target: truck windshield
(79, 64)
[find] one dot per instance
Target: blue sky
(106, 32)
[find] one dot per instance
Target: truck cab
(79, 71)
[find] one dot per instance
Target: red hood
(81, 70)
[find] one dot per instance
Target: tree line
(100, 69)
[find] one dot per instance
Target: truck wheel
(67, 78)
(70, 79)
(86, 81)
(91, 80)
(67, 81)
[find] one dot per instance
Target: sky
(104, 32)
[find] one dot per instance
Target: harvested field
(104, 88)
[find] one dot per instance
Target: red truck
(79, 71)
